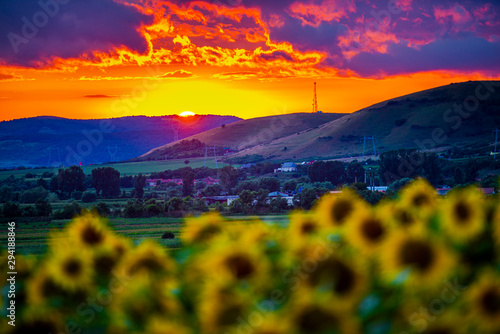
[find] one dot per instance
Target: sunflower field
(418, 263)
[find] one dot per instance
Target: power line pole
(496, 140)
(315, 100)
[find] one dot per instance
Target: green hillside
(254, 132)
(427, 120)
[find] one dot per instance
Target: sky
(249, 58)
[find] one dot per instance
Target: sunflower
(158, 325)
(302, 227)
(221, 308)
(420, 197)
(367, 231)
(424, 261)
(89, 231)
(71, 268)
(142, 299)
(236, 262)
(334, 211)
(107, 257)
(462, 214)
(496, 226)
(399, 216)
(311, 312)
(41, 287)
(484, 302)
(147, 258)
(39, 320)
(327, 271)
(202, 229)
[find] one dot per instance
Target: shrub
(89, 197)
(76, 195)
(168, 235)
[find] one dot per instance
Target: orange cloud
(329, 10)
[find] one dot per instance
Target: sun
(187, 114)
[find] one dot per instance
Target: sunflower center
(420, 200)
(208, 232)
(240, 266)
(72, 268)
(308, 227)
(418, 254)
(490, 300)
(372, 229)
(404, 217)
(462, 212)
(105, 263)
(314, 319)
(229, 314)
(341, 210)
(344, 281)
(147, 263)
(91, 236)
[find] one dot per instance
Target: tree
(270, 183)
(398, 164)
(212, 190)
(43, 208)
(458, 176)
(31, 195)
(89, 197)
(139, 184)
(354, 172)
(471, 170)
(305, 200)
(187, 181)
(103, 209)
(290, 186)
(228, 177)
(71, 179)
(11, 210)
(431, 169)
(332, 171)
(106, 181)
(186, 162)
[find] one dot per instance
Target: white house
(288, 167)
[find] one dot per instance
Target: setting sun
(187, 114)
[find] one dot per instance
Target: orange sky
(213, 59)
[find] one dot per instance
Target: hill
(31, 142)
(459, 115)
(253, 132)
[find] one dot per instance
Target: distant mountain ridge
(424, 120)
(30, 142)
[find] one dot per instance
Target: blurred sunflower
(367, 231)
(158, 325)
(221, 308)
(302, 226)
(484, 302)
(71, 268)
(147, 258)
(420, 197)
(462, 214)
(399, 216)
(108, 256)
(41, 287)
(334, 211)
(425, 261)
(272, 324)
(496, 226)
(89, 231)
(311, 312)
(236, 262)
(39, 320)
(341, 276)
(202, 229)
(142, 299)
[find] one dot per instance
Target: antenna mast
(315, 101)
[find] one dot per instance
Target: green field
(125, 168)
(31, 238)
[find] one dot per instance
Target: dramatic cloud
(252, 38)
(179, 74)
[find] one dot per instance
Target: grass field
(125, 168)
(31, 238)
